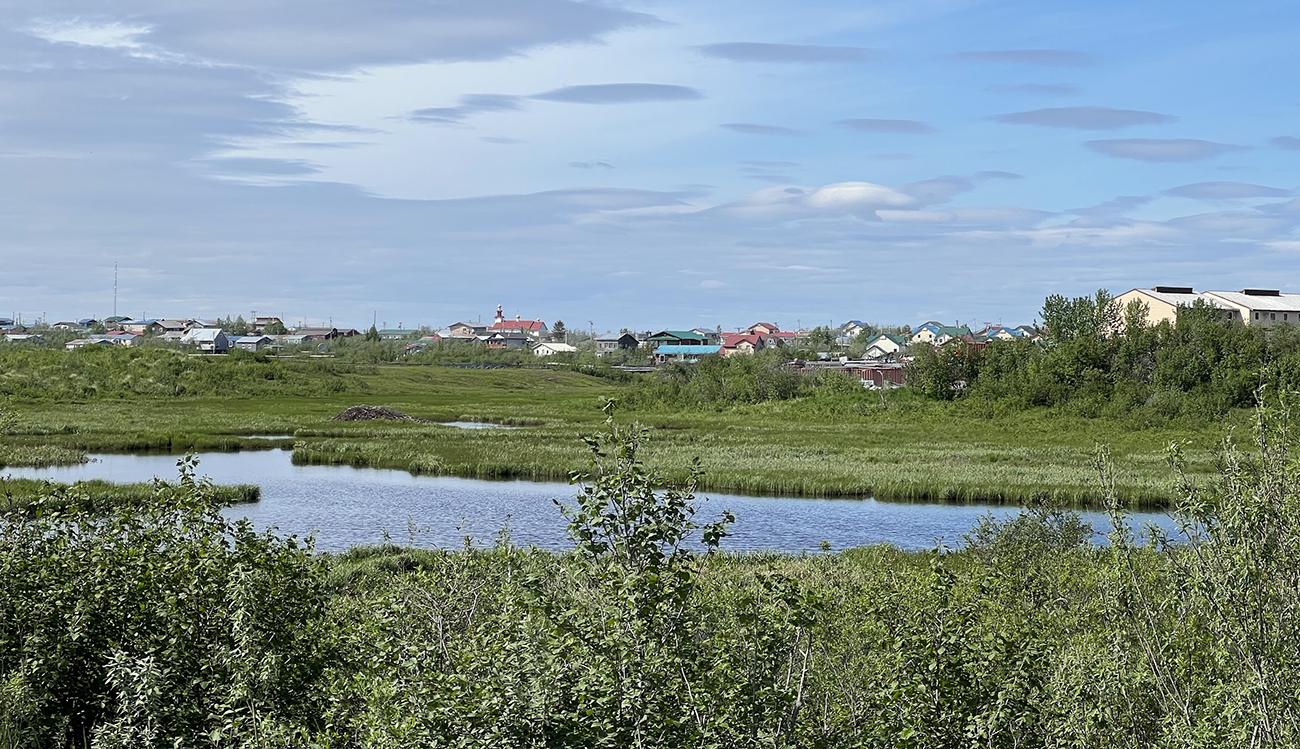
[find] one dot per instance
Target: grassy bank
(20, 493)
(847, 444)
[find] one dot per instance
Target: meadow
(829, 443)
(164, 623)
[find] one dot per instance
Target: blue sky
(640, 164)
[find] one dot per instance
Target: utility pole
(114, 289)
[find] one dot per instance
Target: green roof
(668, 335)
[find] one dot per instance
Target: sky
(646, 164)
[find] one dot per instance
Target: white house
(937, 334)
(884, 346)
(209, 340)
(551, 349)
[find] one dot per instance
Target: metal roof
(1177, 299)
(669, 349)
(1279, 303)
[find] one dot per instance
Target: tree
(558, 331)
(822, 338)
(240, 326)
(372, 335)
(275, 327)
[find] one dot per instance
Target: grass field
(823, 446)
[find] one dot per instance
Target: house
(250, 342)
(534, 329)
(1163, 302)
(1262, 307)
(398, 334)
(625, 342)
(551, 349)
(936, 334)
(116, 320)
(507, 340)
(260, 323)
(143, 327)
(290, 339)
(209, 340)
(83, 342)
(181, 326)
(69, 325)
(1000, 333)
(678, 338)
(418, 347)
(884, 346)
(710, 335)
(318, 334)
(121, 338)
(28, 338)
(683, 352)
(762, 328)
(466, 330)
(742, 343)
(852, 329)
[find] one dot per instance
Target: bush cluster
(1098, 360)
(161, 624)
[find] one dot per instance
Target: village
(876, 354)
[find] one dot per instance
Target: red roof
(517, 325)
(782, 334)
(732, 340)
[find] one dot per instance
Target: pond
(346, 506)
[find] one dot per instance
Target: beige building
(1262, 307)
(1162, 302)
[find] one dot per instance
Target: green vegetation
(164, 624)
(1098, 360)
(24, 493)
(757, 427)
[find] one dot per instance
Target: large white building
(1162, 302)
(1262, 307)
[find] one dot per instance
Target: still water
(347, 506)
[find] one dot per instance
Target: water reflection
(348, 506)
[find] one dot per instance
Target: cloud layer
(1086, 118)
(620, 93)
(1034, 57)
(1158, 150)
(904, 127)
(786, 53)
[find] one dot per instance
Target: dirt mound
(371, 413)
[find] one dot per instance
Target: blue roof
(669, 348)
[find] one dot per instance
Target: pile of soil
(371, 413)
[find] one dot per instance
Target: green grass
(818, 446)
(20, 493)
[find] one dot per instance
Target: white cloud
(858, 195)
(110, 35)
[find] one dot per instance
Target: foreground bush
(164, 625)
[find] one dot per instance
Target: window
(1272, 315)
(1256, 315)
